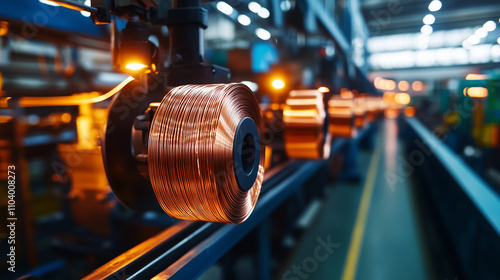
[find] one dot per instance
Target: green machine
(478, 109)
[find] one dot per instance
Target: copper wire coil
(341, 114)
(306, 128)
(371, 105)
(204, 155)
(360, 112)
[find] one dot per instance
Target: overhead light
(489, 25)
(254, 7)
(225, 7)
(263, 13)
(244, 20)
(263, 34)
(323, 89)
(426, 29)
(498, 40)
(429, 19)
(251, 85)
(435, 5)
(278, 84)
(473, 40)
(481, 33)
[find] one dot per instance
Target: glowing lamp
(278, 84)
(323, 89)
(135, 66)
(402, 98)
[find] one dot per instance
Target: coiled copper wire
(360, 112)
(190, 153)
(306, 128)
(341, 113)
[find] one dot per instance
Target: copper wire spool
(341, 114)
(360, 112)
(306, 128)
(205, 159)
(371, 105)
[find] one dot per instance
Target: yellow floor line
(359, 228)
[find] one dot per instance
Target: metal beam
(330, 25)
(480, 193)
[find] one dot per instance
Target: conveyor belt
(187, 249)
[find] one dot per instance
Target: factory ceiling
(386, 17)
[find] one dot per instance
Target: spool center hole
(248, 153)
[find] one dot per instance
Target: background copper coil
(341, 114)
(360, 112)
(306, 127)
(204, 155)
(371, 106)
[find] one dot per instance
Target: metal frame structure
(466, 206)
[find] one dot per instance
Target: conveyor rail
(187, 249)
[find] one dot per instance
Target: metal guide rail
(466, 206)
(480, 193)
(187, 249)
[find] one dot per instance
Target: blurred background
(410, 114)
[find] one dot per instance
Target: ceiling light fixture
(426, 29)
(264, 13)
(244, 20)
(481, 32)
(489, 25)
(225, 8)
(254, 7)
(435, 5)
(263, 34)
(429, 19)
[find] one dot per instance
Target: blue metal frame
(466, 208)
(480, 193)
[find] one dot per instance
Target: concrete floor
(369, 230)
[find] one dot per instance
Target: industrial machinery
(482, 122)
(179, 137)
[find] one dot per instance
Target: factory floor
(369, 230)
